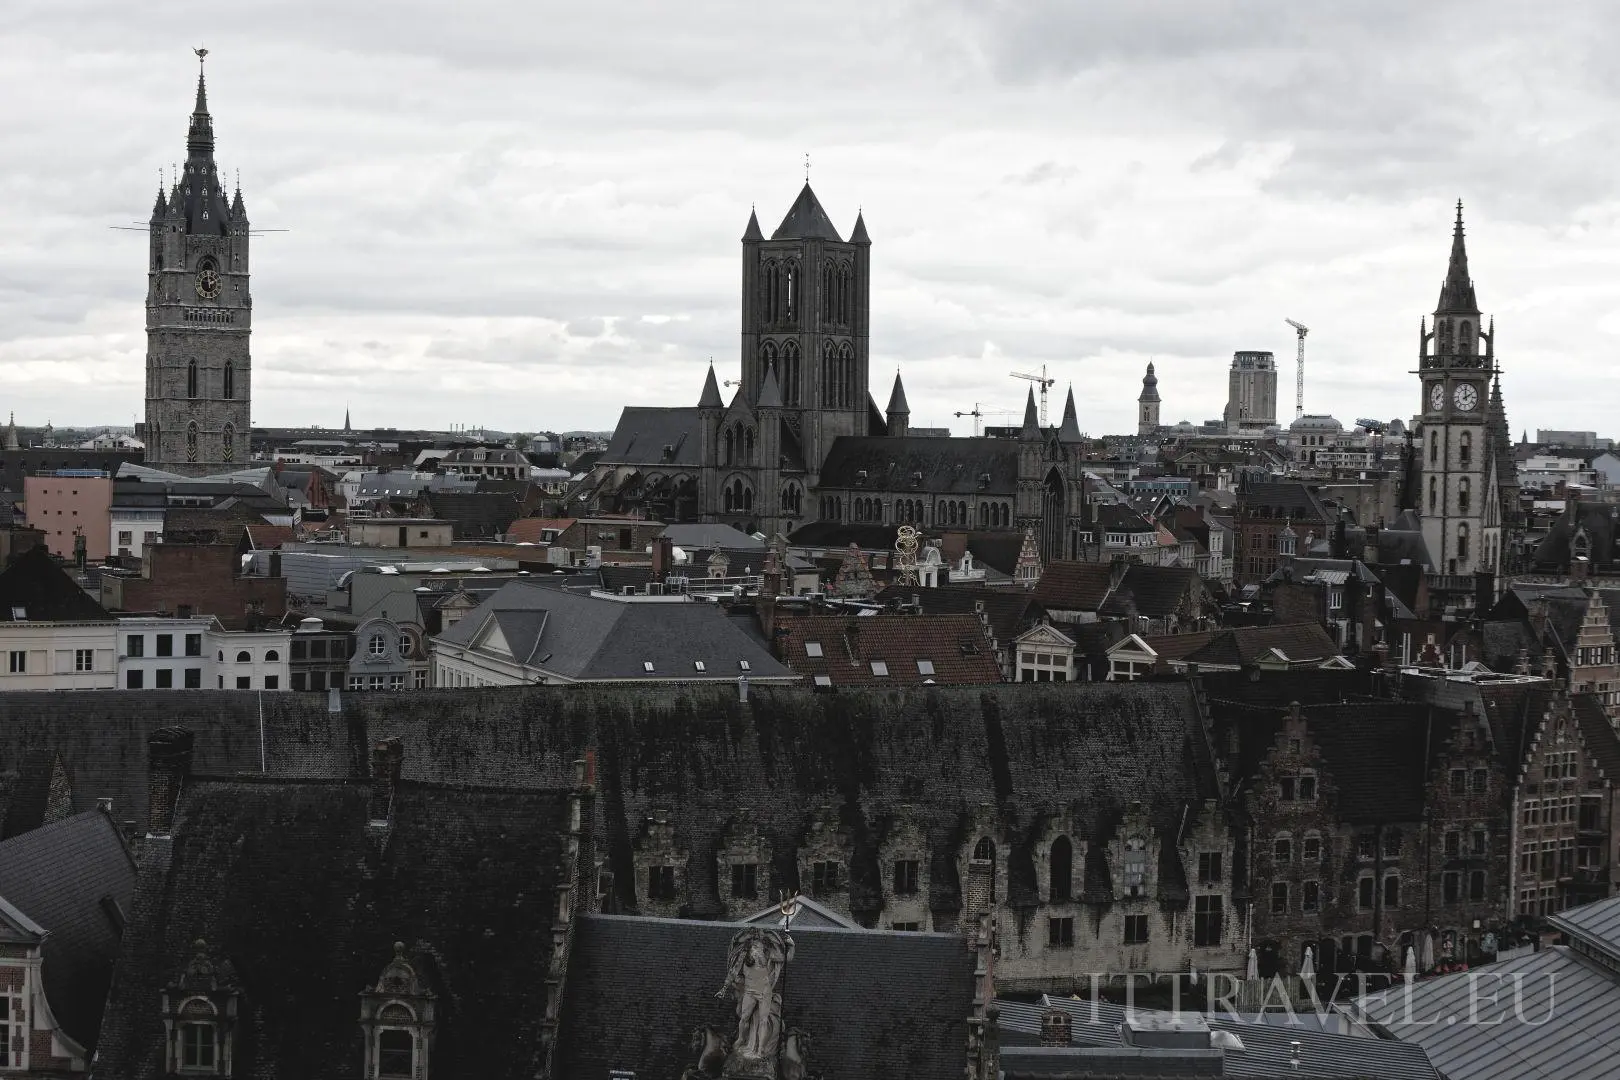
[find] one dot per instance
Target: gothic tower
(805, 315)
(1458, 498)
(1147, 405)
(198, 309)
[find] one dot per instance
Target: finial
(807, 167)
(239, 181)
(1459, 213)
(202, 55)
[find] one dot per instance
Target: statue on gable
(754, 969)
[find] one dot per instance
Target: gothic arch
(227, 443)
(1053, 513)
(191, 441)
(767, 358)
(228, 385)
(846, 376)
(191, 378)
(1060, 888)
(789, 374)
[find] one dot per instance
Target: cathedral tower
(1147, 405)
(198, 309)
(805, 314)
(1458, 497)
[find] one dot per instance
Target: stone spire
(346, 426)
(1457, 293)
(204, 207)
(898, 412)
(710, 398)
(12, 443)
(753, 231)
(200, 139)
(770, 391)
(1069, 430)
(161, 206)
(858, 234)
(1032, 418)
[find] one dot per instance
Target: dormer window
(397, 1017)
(199, 1015)
(199, 1037)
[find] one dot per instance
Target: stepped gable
(288, 883)
(873, 1003)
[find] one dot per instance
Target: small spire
(1069, 430)
(897, 398)
(753, 231)
(858, 234)
(1457, 294)
(770, 392)
(710, 398)
(1032, 418)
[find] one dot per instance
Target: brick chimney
(1055, 1027)
(168, 763)
(387, 756)
(663, 557)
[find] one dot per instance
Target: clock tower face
(1437, 397)
(1466, 397)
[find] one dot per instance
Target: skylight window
(743, 665)
(823, 680)
(880, 667)
(647, 666)
(697, 665)
(811, 648)
(20, 614)
(925, 667)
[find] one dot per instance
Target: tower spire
(1457, 294)
(200, 139)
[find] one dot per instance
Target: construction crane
(1039, 380)
(1299, 368)
(976, 414)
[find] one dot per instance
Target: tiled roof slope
(1152, 591)
(61, 876)
(285, 881)
(644, 431)
(955, 645)
(874, 1004)
(922, 464)
(1246, 644)
(1010, 611)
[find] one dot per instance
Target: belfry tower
(198, 315)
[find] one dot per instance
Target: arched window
(191, 378)
(1462, 540)
(227, 448)
(1062, 869)
(748, 445)
(1463, 495)
(244, 657)
(846, 376)
(730, 455)
(191, 441)
(377, 645)
(789, 374)
(1465, 448)
(1433, 503)
(1465, 337)
(1434, 446)
(767, 358)
(229, 383)
(199, 1036)
(791, 291)
(270, 656)
(396, 1054)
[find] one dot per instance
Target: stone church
(198, 315)
(802, 440)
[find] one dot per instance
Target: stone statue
(754, 968)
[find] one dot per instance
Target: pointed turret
(770, 391)
(1032, 418)
(200, 138)
(898, 412)
(12, 443)
(1457, 294)
(806, 220)
(1147, 404)
(1150, 385)
(752, 232)
(346, 426)
(238, 207)
(858, 234)
(205, 209)
(160, 207)
(1069, 430)
(710, 398)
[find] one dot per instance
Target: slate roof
(1602, 530)
(584, 637)
(1598, 737)
(1150, 591)
(955, 646)
(1267, 1049)
(923, 464)
(874, 1003)
(475, 515)
(642, 433)
(806, 220)
(1290, 499)
(286, 881)
(1553, 1019)
(1243, 645)
(1597, 924)
(1010, 611)
(27, 803)
(64, 876)
(44, 592)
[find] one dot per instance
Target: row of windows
(84, 660)
(227, 381)
(320, 649)
(1207, 925)
(163, 645)
(199, 1050)
(191, 679)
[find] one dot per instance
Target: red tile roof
(267, 537)
(953, 649)
(528, 530)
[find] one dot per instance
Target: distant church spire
(346, 419)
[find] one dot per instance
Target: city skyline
(533, 226)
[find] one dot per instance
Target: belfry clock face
(1466, 397)
(1437, 397)
(208, 283)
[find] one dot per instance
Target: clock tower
(1458, 497)
(198, 315)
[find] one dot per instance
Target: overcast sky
(526, 215)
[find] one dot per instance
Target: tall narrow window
(791, 292)
(191, 441)
(1062, 868)
(789, 374)
(191, 378)
(1462, 540)
(1463, 495)
(229, 384)
(1465, 448)
(396, 1054)
(1433, 497)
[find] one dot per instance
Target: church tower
(1458, 497)
(198, 309)
(805, 314)
(1147, 405)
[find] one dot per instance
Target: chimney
(387, 755)
(1484, 593)
(1522, 665)
(663, 557)
(1055, 1028)
(1580, 568)
(275, 562)
(104, 805)
(168, 763)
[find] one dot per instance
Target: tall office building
(1251, 396)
